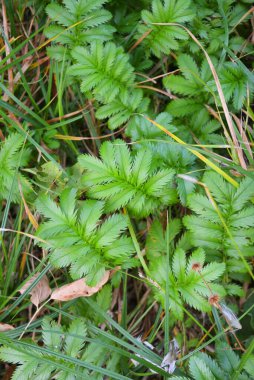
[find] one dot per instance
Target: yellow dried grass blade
(236, 145)
(196, 153)
(31, 218)
(223, 222)
(59, 34)
(23, 233)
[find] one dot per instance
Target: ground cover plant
(126, 189)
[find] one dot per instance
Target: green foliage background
(117, 141)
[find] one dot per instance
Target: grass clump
(126, 189)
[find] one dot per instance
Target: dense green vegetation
(127, 189)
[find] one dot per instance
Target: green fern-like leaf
(235, 84)
(198, 82)
(186, 285)
(122, 109)
(199, 370)
(157, 239)
(171, 155)
(196, 87)
(184, 106)
(103, 69)
(13, 157)
(162, 39)
(205, 225)
(77, 239)
(193, 80)
(126, 181)
(223, 366)
(77, 23)
(215, 38)
(166, 153)
(143, 129)
(57, 341)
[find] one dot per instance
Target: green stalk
(243, 360)
(166, 329)
(137, 247)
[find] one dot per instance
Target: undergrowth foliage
(201, 366)
(126, 181)
(76, 23)
(12, 158)
(77, 239)
(207, 229)
(186, 283)
(104, 69)
(161, 40)
(59, 344)
(126, 157)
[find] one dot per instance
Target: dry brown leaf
(40, 292)
(5, 327)
(77, 289)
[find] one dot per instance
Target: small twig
(33, 318)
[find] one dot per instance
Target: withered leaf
(40, 292)
(5, 327)
(78, 289)
(169, 361)
(230, 317)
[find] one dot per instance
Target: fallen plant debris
(5, 327)
(40, 292)
(168, 362)
(78, 289)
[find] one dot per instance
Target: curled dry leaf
(78, 289)
(230, 317)
(148, 345)
(40, 292)
(5, 327)
(169, 361)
